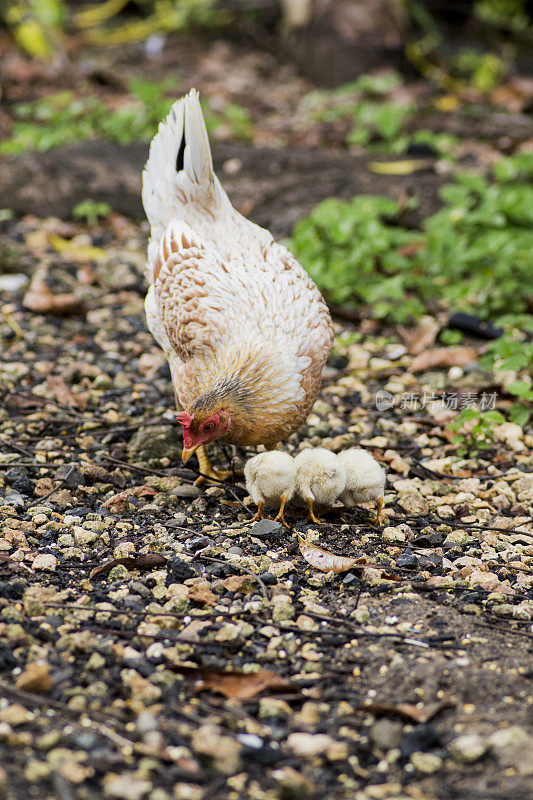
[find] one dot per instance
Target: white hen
(245, 330)
(320, 478)
(365, 479)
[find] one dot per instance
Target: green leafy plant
(513, 355)
(475, 254)
(91, 211)
(62, 117)
(474, 438)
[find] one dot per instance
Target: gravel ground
(156, 644)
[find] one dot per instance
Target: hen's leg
(259, 514)
(280, 517)
(207, 468)
(310, 513)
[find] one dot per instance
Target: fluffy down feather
(320, 476)
(365, 478)
(270, 479)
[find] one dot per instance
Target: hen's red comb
(184, 418)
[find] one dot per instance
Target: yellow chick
(320, 478)
(270, 479)
(365, 479)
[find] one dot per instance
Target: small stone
(427, 763)
(309, 745)
(272, 708)
(414, 503)
(386, 733)
(151, 443)
(268, 579)
(37, 771)
(13, 282)
(282, 611)
(228, 633)
(35, 678)
(292, 784)
(185, 491)
(125, 786)
(513, 747)
(264, 528)
(393, 535)
(15, 714)
(45, 561)
(468, 748)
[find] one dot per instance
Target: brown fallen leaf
(419, 338)
(444, 357)
(242, 686)
(65, 396)
(40, 299)
(406, 710)
(326, 561)
(145, 561)
(35, 678)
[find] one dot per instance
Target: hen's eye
(208, 427)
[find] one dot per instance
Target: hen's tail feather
(179, 151)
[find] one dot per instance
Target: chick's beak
(187, 452)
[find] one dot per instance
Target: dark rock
(428, 540)
(186, 491)
(17, 478)
(420, 739)
(407, 561)
(268, 579)
(198, 543)
(71, 479)
(265, 527)
(351, 580)
(178, 571)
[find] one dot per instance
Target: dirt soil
(154, 643)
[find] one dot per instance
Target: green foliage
(510, 354)
(475, 254)
(474, 439)
(91, 211)
(61, 118)
(36, 24)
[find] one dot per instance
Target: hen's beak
(187, 452)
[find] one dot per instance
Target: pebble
(467, 748)
(309, 745)
(265, 527)
(45, 561)
(386, 733)
(186, 491)
(427, 763)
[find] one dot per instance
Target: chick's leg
(310, 513)
(280, 517)
(259, 514)
(207, 468)
(379, 510)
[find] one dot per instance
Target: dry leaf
(40, 299)
(324, 560)
(403, 167)
(419, 338)
(65, 396)
(405, 710)
(242, 686)
(444, 357)
(146, 561)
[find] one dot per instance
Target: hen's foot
(280, 517)
(207, 469)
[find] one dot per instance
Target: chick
(365, 479)
(320, 478)
(270, 479)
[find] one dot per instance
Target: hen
(244, 328)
